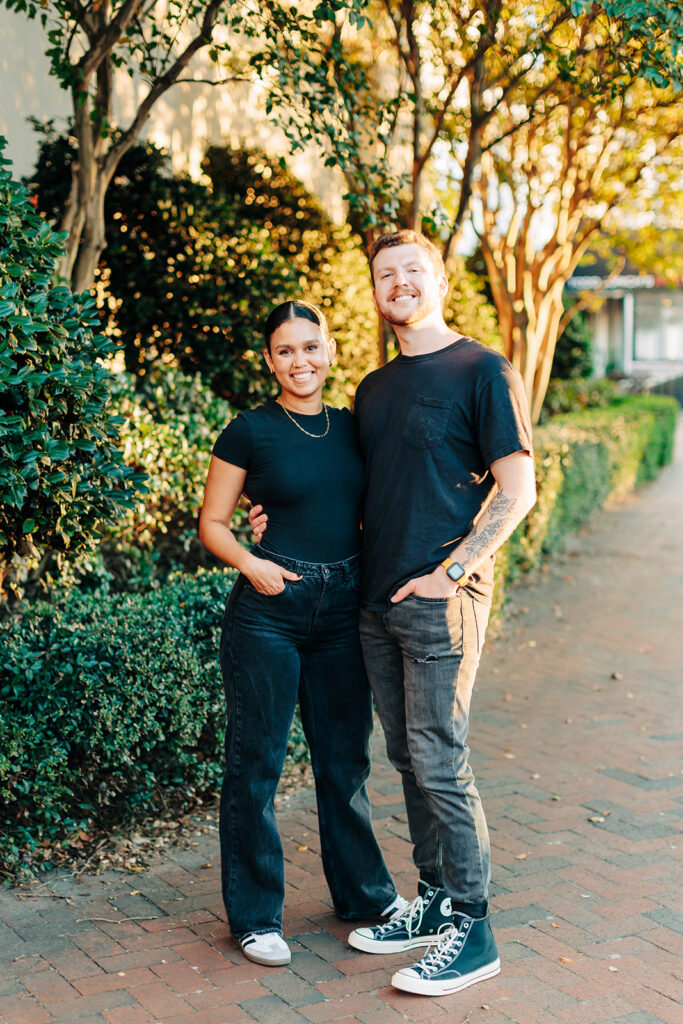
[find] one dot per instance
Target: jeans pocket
(426, 421)
(251, 591)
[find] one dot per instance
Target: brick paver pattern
(576, 738)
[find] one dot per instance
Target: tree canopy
(496, 118)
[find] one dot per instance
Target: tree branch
(161, 85)
(108, 38)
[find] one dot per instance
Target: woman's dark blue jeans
(300, 644)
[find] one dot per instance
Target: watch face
(455, 571)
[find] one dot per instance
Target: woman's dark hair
(292, 310)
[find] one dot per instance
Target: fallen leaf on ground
(566, 960)
(300, 848)
(520, 856)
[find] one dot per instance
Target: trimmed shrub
(105, 701)
(584, 460)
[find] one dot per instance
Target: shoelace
(450, 941)
(411, 917)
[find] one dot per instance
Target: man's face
(407, 285)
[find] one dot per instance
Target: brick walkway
(577, 731)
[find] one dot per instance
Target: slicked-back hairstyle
(292, 310)
(392, 238)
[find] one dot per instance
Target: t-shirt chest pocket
(426, 421)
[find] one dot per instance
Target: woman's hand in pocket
(268, 577)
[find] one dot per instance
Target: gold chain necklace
(289, 416)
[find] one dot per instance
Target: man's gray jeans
(421, 658)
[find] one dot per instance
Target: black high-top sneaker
(465, 955)
(418, 925)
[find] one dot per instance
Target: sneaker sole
(425, 987)
(279, 961)
(388, 946)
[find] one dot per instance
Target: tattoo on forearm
(502, 519)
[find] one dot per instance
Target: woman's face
(300, 357)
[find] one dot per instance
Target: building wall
(26, 88)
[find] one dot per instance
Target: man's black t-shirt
(311, 487)
(430, 426)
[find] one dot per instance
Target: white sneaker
(268, 948)
(394, 909)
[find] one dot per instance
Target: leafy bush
(104, 702)
(168, 426)
(192, 269)
(170, 423)
(331, 269)
(62, 475)
(184, 273)
(565, 396)
(468, 309)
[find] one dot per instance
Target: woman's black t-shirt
(311, 487)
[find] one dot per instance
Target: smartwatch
(455, 571)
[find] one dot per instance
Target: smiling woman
(290, 631)
(299, 354)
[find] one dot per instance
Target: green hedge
(105, 701)
(109, 701)
(583, 461)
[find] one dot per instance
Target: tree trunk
(529, 318)
(93, 240)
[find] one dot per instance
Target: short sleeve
(234, 444)
(503, 421)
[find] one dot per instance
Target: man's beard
(413, 316)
